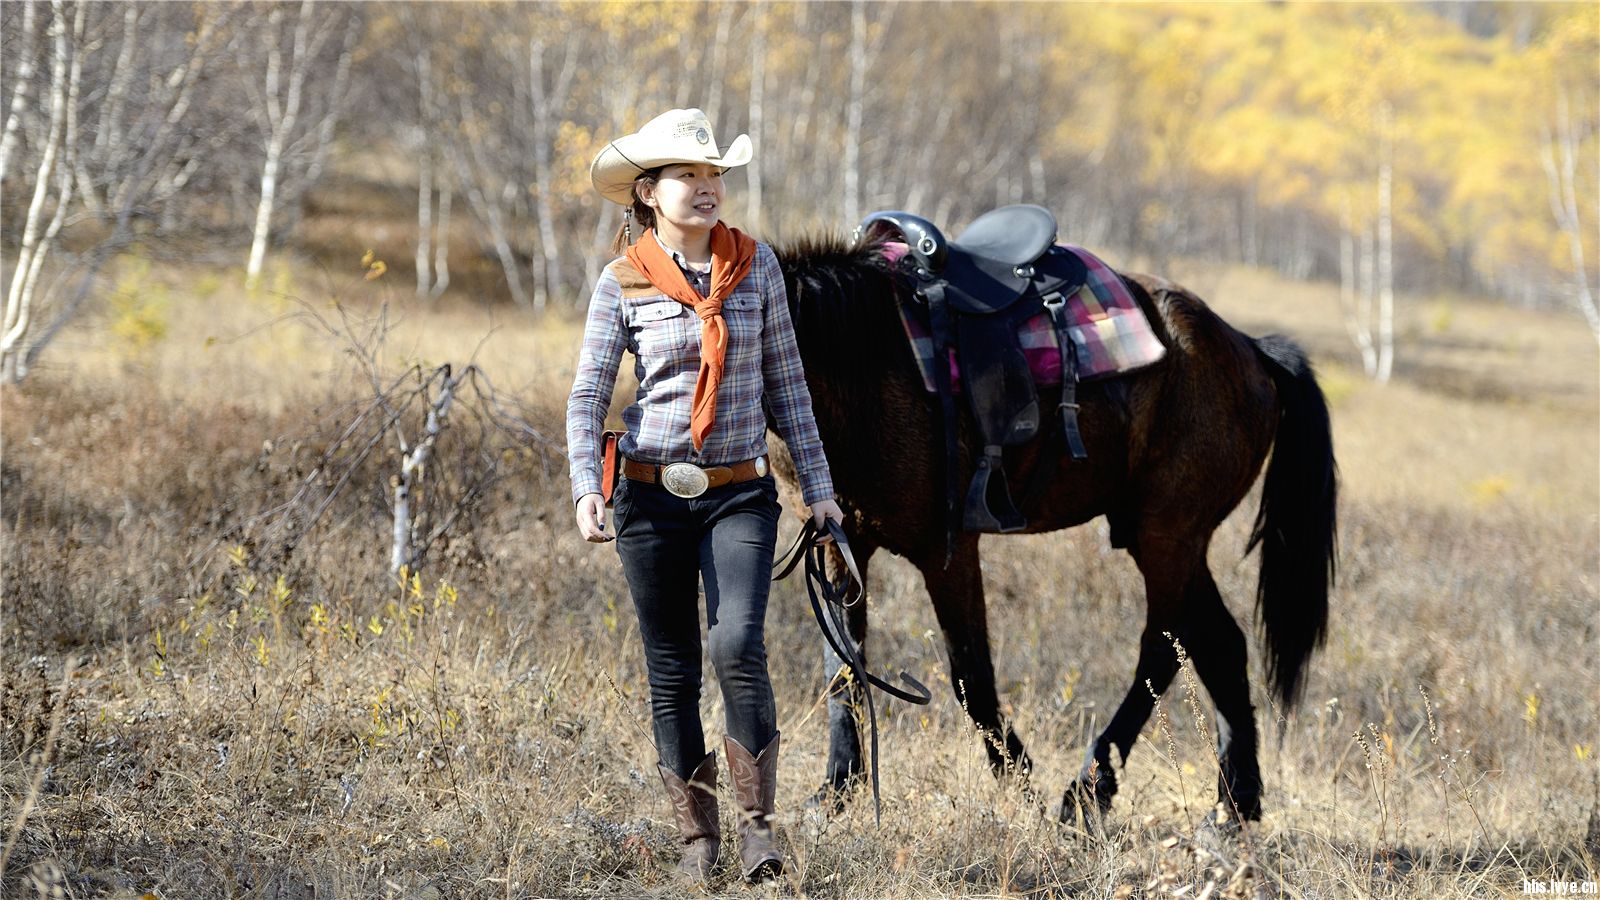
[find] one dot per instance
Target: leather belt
(689, 480)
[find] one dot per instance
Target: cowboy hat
(675, 136)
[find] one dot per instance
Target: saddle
(1004, 268)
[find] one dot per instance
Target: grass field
(190, 709)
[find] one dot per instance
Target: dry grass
(481, 731)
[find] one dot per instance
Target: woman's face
(687, 196)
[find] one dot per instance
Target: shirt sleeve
(604, 338)
(784, 380)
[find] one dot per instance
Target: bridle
(830, 614)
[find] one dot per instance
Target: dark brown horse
(1172, 450)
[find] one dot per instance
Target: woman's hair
(643, 216)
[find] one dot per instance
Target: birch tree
(279, 107)
(1385, 261)
(474, 172)
(51, 174)
(281, 113)
(758, 89)
(548, 93)
(21, 82)
(433, 233)
(855, 111)
(1559, 157)
(132, 151)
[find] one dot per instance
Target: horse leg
(846, 696)
(1218, 649)
(1167, 570)
(957, 594)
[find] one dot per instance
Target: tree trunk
(854, 109)
(1249, 230)
(282, 119)
(138, 176)
(403, 550)
(1350, 304)
(263, 222)
(758, 74)
(1366, 302)
(19, 298)
(798, 150)
(1559, 156)
(495, 220)
(328, 125)
(108, 138)
(430, 279)
(441, 243)
(75, 159)
(21, 81)
(1385, 244)
(544, 101)
(424, 213)
(719, 65)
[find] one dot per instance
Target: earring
(627, 225)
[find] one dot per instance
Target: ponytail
(638, 213)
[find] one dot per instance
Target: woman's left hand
(821, 512)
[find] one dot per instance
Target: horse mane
(843, 300)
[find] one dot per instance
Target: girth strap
(939, 324)
(1056, 304)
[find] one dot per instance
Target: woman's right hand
(592, 519)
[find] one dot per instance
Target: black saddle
(1004, 268)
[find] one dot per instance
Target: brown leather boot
(694, 805)
(755, 782)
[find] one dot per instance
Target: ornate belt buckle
(685, 480)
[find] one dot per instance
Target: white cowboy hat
(675, 136)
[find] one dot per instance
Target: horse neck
(855, 355)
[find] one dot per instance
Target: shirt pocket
(659, 327)
(742, 311)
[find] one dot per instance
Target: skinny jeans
(669, 545)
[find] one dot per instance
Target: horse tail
(1297, 521)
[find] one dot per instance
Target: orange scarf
(732, 252)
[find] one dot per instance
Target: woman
(702, 308)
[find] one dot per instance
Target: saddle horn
(928, 246)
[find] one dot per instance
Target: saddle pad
(1110, 330)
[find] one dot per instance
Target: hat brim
(615, 168)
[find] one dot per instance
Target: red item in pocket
(610, 469)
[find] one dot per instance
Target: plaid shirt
(664, 337)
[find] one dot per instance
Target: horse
(1172, 450)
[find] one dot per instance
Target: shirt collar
(689, 268)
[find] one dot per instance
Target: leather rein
(829, 610)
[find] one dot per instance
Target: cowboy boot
(755, 781)
(694, 806)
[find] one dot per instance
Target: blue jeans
(668, 544)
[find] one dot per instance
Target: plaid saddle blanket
(1110, 330)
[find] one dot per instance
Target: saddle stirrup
(989, 504)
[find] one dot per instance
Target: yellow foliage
(139, 307)
(1486, 491)
(1441, 315)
